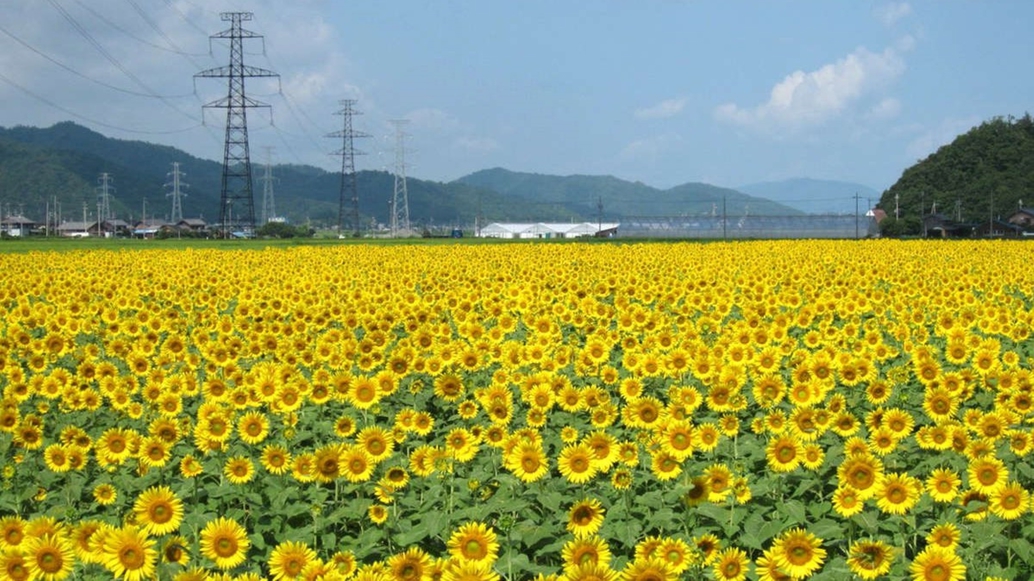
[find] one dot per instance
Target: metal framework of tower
(349, 181)
(176, 184)
(104, 197)
(400, 199)
(237, 199)
(268, 206)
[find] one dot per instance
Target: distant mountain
(815, 196)
(582, 194)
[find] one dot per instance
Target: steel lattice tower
(104, 197)
(237, 199)
(268, 207)
(176, 194)
(400, 199)
(349, 183)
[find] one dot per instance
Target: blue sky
(660, 91)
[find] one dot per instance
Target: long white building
(548, 230)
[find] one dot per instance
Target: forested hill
(64, 161)
(987, 170)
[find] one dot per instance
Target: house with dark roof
(1024, 217)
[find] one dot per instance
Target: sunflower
(768, 569)
(13, 565)
(987, 474)
(870, 559)
(943, 485)
(719, 482)
(129, 554)
(846, 501)
(276, 459)
(784, 453)
(944, 536)
(158, 510)
(527, 461)
(105, 494)
(936, 564)
(1009, 501)
(356, 464)
(474, 541)
(861, 472)
(376, 442)
(730, 564)
(288, 560)
(585, 517)
(175, 550)
(378, 513)
(665, 465)
(897, 493)
(239, 470)
(462, 570)
(48, 557)
(576, 463)
(677, 553)
(253, 427)
(798, 553)
(225, 542)
(584, 551)
(411, 565)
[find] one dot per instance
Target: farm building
(547, 230)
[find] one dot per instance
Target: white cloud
(804, 99)
(944, 133)
(890, 14)
(649, 148)
(886, 109)
(662, 110)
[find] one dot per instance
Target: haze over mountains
(62, 163)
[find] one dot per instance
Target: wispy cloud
(886, 109)
(476, 144)
(804, 99)
(662, 110)
(890, 14)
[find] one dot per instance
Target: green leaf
(1023, 549)
(794, 510)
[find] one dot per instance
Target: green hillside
(987, 171)
(65, 160)
(620, 198)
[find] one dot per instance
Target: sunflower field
(634, 412)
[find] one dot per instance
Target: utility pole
(958, 210)
(268, 207)
(349, 181)
(237, 200)
(922, 211)
(176, 184)
(897, 207)
(725, 232)
(400, 199)
(599, 214)
(856, 197)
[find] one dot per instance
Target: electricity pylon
(349, 183)
(176, 184)
(400, 199)
(237, 200)
(268, 207)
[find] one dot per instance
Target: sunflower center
(474, 550)
(225, 547)
(161, 513)
(49, 561)
(131, 558)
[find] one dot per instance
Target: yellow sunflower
(897, 493)
(412, 565)
(936, 564)
(158, 511)
(870, 559)
(288, 560)
(585, 517)
(130, 554)
(225, 542)
(48, 557)
(239, 470)
(730, 564)
(585, 551)
(474, 541)
(798, 553)
(576, 463)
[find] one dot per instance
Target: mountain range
(40, 166)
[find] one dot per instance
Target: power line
(88, 119)
(81, 75)
(175, 49)
(96, 45)
(154, 26)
